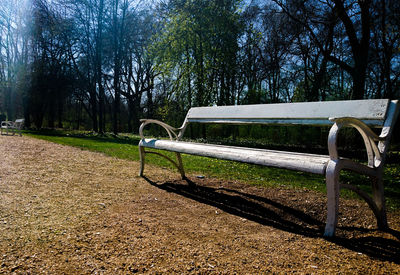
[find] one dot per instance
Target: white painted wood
(290, 160)
(372, 112)
(315, 122)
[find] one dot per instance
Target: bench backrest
(19, 123)
(372, 112)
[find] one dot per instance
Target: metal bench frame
(12, 126)
(360, 114)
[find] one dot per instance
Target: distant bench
(360, 114)
(13, 126)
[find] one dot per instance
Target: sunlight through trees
(102, 65)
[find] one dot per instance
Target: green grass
(125, 147)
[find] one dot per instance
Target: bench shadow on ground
(283, 217)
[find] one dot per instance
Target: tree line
(104, 64)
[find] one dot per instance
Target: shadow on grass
(105, 138)
(268, 212)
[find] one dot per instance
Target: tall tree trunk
(93, 105)
(117, 51)
(130, 114)
(359, 47)
(318, 80)
(359, 77)
(117, 102)
(60, 110)
(99, 72)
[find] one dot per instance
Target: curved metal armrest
(369, 137)
(7, 124)
(170, 130)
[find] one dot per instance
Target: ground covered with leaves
(66, 210)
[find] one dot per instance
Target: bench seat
(282, 159)
(362, 115)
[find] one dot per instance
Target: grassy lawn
(125, 147)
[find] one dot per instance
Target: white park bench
(12, 126)
(360, 114)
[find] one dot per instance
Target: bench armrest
(369, 137)
(8, 124)
(170, 130)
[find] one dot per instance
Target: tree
(355, 23)
(199, 46)
(137, 68)
(13, 56)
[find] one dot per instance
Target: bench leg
(180, 165)
(379, 200)
(142, 154)
(332, 187)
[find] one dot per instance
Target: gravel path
(65, 210)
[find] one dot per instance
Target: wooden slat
(281, 159)
(316, 122)
(372, 112)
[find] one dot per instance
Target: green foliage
(198, 48)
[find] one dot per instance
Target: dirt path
(64, 210)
